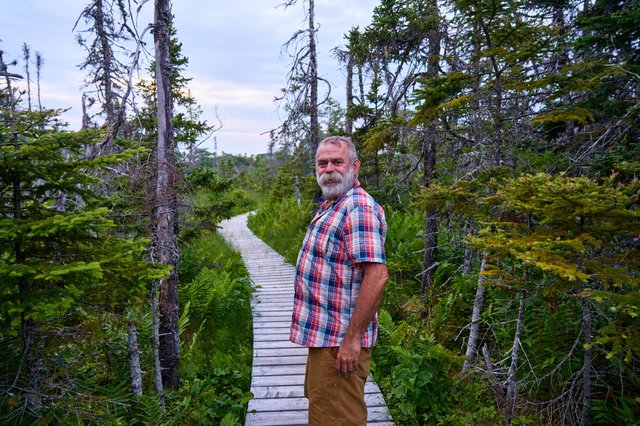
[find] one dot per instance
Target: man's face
(335, 172)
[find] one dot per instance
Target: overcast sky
(234, 51)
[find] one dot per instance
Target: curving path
(278, 365)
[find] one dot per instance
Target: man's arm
(369, 297)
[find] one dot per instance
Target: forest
(501, 137)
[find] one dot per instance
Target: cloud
(234, 51)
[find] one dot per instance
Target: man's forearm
(369, 298)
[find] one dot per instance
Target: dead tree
(165, 207)
(301, 96)
(39, 64)
(107, 20)
(26, 51)
(429, 148)
(474, 329)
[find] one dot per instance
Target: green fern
(230, 419)
(386, 326)
(151, 412)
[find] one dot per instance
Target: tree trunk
(313, 75)
(157, 376)
(513, 368)
(468, 252)
(429, 146)
(26, 50)
(39, 63)
(586, 362)
(472, 344)
(107, 63)
(165, 220)
(134, 360)
(348, 124)
(431, 219)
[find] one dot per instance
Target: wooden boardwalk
(278, 365)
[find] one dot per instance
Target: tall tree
(64, 272)
(165, 238)
(429, 152)
(39, 65)
(108, 76)
(301, 96)
(26, 51)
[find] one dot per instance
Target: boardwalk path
(278, 365)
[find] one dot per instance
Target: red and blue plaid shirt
(342, 235)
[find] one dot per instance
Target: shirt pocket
(329, 240)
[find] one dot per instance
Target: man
(340, 279)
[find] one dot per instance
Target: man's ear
(356, 167)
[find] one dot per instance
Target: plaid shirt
(342, 235)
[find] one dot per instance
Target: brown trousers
(335, 399)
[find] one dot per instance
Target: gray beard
(339, 184)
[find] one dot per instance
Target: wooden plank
(273, 307)
(288, 418)
(279, 360)
(292, 380)
(278, 370)
(282, 334)
(272, 324)
(297, 391)
(275, 404)
(275, 345)
(280, 352)
(271, 330)
(270, 319)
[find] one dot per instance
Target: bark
(431, 218)
(429, 141)
(468, 253)
(349, 89)
(157, 377)
(474, 331)
(39, 63)
(313, 76)
(165, 220)
(586, 362)
(106, 64)
(134, 360)
(513, 368)
(27, 54)
(86, 120)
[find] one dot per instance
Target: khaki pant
(335, 399)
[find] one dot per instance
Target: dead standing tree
(165, 209)
(107, 75)
(301, 94)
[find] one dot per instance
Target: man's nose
(330, 168)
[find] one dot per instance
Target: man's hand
(348, 356)
(369, 297)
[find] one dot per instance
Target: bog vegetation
(501, 138)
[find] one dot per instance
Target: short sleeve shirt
(342, 235)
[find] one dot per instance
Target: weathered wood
(277, 379)
(376, 416)
(297, 391)
(279, 370)
(280, 352)
(280, 360)
(275, 404)
(267, 337)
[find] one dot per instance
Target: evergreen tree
(63, 269)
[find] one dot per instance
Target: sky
(234, 48)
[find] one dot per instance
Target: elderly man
(340, 279)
